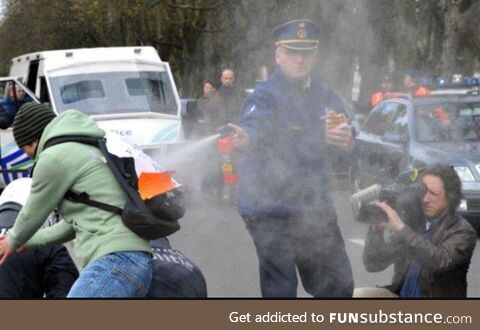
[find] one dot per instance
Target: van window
(82, 90)
(142, 86)
(114, 92)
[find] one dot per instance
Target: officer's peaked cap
(299, 34)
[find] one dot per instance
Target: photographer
(433, 260)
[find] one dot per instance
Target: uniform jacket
(283, 168)
(444, 260)
(80, 168)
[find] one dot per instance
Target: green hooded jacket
(80, 168)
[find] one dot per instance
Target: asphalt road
(214, 237)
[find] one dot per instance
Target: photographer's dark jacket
(444, 260)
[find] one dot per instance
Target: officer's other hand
(5, 250)
(341, 137)
(240, 137)
(394, 222)
(378, 227)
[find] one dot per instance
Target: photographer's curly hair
(451, 183)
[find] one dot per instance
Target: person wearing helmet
(113, 260)
(383, 93)
(412, 85)
(46, 272)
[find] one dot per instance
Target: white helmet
(14, 197)
(17, 191)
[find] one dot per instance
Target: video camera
(405, 198)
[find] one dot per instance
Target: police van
(128, 90)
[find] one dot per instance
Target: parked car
(401, 135)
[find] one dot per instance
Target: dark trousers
(311, 243)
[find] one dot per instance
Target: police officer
(174, 275)
(282, 194)
(410, 83)
(46, 272)
(383, 93)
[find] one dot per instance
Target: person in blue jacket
(285, 139)
(15, 98)
(48, 272)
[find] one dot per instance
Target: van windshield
(114, 92)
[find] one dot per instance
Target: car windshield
(445, 122)
(114, 92)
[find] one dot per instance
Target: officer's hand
(394, 222)
(341, 137)
(378, 227)
(5, 250)
(240, 137)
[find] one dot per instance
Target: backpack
(151, 218)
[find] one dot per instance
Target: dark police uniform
(46, 272)
(174, 275)
(282, 193)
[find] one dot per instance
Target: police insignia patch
(302, 34)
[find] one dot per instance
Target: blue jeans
(115, 275)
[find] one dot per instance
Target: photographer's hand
(394, 222)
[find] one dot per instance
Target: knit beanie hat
(30, 121)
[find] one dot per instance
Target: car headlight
(464, 173)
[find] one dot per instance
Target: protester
(48, 272)
(114, 261)
(433, 260)
(283, 196)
